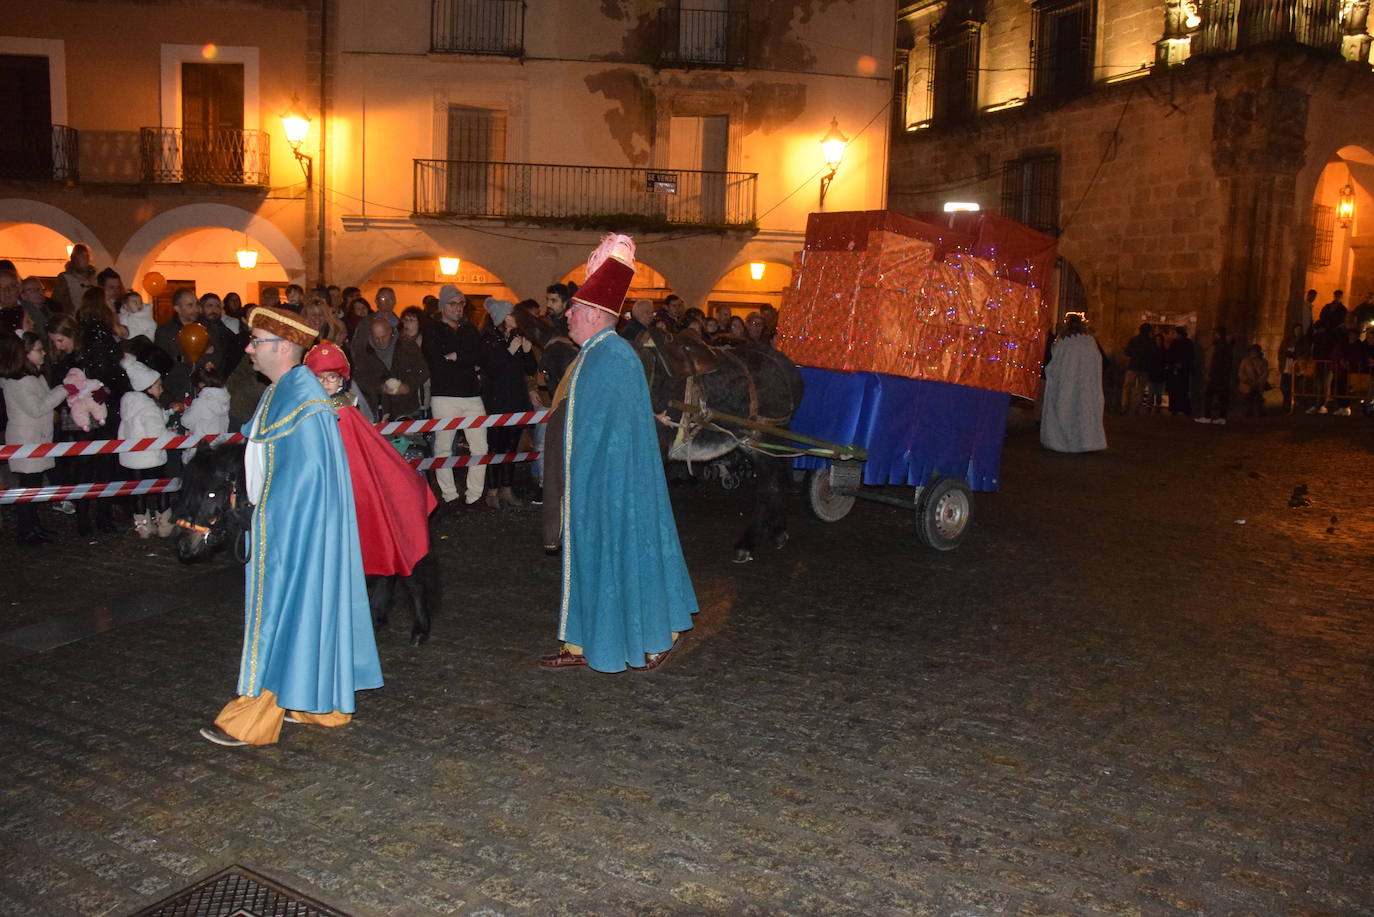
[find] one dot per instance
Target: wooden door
(212, 122)
(25, 118)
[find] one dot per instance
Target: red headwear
(327, 358)
(609, 272)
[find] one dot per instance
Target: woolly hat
(284, 324)
(449, 291)
(498, 309)
(141, 377)
(326, 358)
(609, 272)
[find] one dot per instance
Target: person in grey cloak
(1071, 417)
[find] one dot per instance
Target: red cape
(393, 502)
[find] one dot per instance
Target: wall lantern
(69, 251)
(449, 266)
(961, 207)
(296, 124)
(1345, 206)
(756, 270)
(832, 148)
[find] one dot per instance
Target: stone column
(1259, 140)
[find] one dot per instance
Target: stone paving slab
(1113, 699)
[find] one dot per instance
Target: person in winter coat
(208, 413)
(76, 278)
(1220, 375)
(140, 417)
(389, 369)
(88, 343)
(29, 405)
(508, 359)
(1254, 376)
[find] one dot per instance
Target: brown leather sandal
(562, 660)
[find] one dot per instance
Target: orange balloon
(193, 339)
(154, 283)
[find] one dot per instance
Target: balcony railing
(172, 155)
(477, 27)
(703, 37)
(590, 195)
(1233, 25)
(38, 151)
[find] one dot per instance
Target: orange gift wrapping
(891, 304)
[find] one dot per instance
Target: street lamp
(832, 148)
(448, 266)
(1345, 206)
(296, 124)
(756, 270)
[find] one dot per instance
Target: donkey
(212, 513)
(743, 378)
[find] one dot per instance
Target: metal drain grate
(236, 892)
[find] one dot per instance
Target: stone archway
(1341, 251)
(19, 210)
(153, 236)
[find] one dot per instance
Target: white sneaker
(1322, 409)
(1313, 409)
(1201, 420)
(1343, 412)
(1220, 420)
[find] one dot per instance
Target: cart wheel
(944, 510)
(824, 504)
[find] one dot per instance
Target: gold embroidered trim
(565, 505)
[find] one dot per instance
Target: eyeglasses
(253, 342)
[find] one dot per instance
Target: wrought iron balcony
(693, 37)
(38, 151)
(584, 195)
(172, 155)
(477, 27)
(1233, 25)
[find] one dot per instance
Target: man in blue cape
(626, 592)
(308, 641)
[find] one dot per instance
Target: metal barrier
(1323, 381)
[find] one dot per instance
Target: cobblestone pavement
(1115, 698)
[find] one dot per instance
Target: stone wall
(1184, 190)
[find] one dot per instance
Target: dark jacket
(504, 374)
(1139, 352)
(454, 357)
(407, 364)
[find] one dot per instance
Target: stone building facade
(149, 131)
(511, 140)
(1183, 153)
(508, 135)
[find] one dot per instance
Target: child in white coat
(140, 417)
(29, 403)
(208, 414)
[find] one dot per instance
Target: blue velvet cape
(307, 629)
(625, 583)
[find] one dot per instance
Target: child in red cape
(393, 502)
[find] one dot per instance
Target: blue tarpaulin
(914, 430)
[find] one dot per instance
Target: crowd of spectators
(1323, 368)
(448, 356)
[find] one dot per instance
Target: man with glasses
(308, 643)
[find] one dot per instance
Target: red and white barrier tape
(56, 492)
(154, 444)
